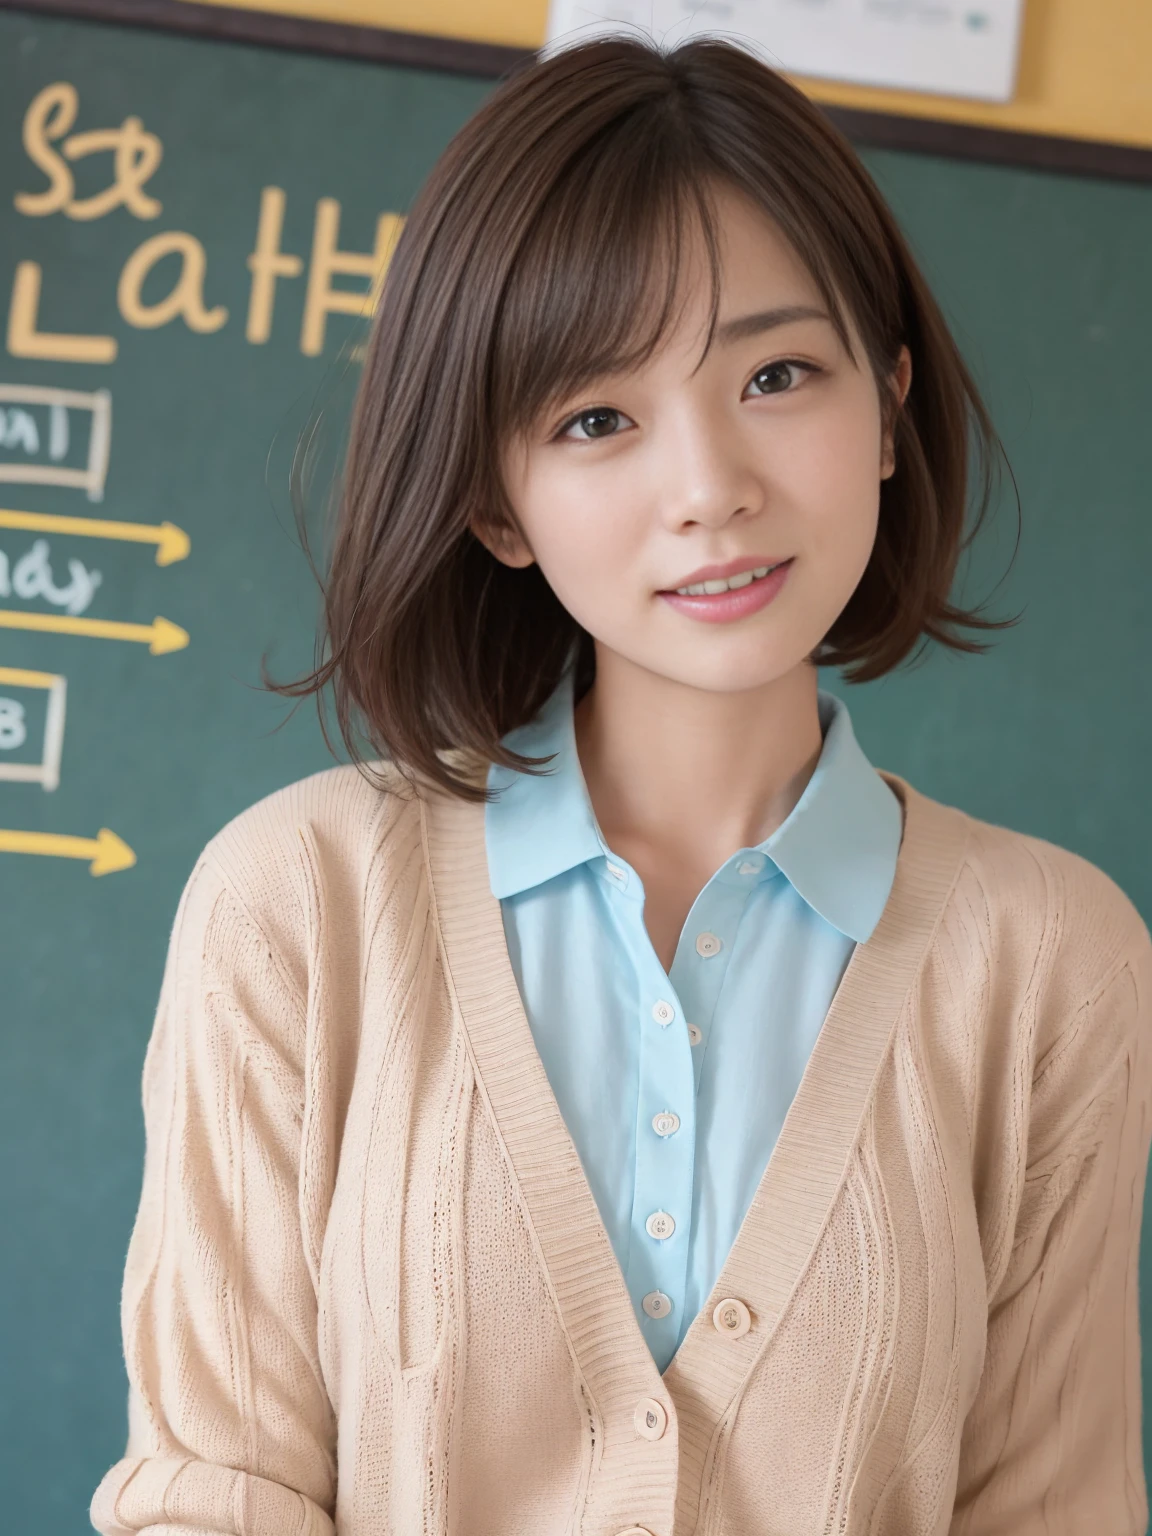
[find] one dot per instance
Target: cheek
(832, 472)
(585, 544)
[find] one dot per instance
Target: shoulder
(1060, 922)
(1087, 917)
(307, 851)
(339, 805)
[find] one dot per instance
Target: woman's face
(770, 454)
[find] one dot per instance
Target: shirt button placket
(662, 1192)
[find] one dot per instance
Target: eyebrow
(766, 320)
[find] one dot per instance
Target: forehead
(751, 246)
(756, 270)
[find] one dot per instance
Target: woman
(617, 1107)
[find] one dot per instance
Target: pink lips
(723, 607)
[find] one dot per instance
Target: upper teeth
(725, 584)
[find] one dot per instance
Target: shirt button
(750, 866)
(666, 1123)
(731, 1318)
(656, 1304)
(663, 1012)
(650, 1418)
(707, 944)
(694, 1035)
(660, 1225)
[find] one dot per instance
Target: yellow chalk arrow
(171, 543)
(107, 852)
(159, 636)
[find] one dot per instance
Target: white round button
(731, 1318)
(750, 866)
(707, 944)
(650, 1418)
(666, 1123)
(660, 1225)
(694, 1035)
(663, 1012)
(656, 1304)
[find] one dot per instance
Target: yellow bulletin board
(1083, 99)
(1085, 65)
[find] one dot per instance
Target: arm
(230, 1429)
(1052, 1445)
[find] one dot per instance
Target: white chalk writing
(31, 577)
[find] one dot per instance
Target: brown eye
(777, 378)
(597, 421)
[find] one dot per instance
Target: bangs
(599, 276)
(599, 279)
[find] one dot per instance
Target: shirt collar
(541, 824)
(839, 845)
(837, 848)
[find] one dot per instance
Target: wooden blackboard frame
(887, 130)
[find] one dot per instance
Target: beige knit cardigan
(368, 1288)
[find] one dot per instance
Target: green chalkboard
(152, 390)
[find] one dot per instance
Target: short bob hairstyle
(527, 267)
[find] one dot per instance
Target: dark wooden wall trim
(1000, 146)
(887, 130)
(236, 25)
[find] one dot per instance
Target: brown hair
(522, 273)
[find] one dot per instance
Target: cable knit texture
(368, 1289)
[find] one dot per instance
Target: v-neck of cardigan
(799, 1185)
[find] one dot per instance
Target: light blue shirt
(674, 1086)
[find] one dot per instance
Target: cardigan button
(650, 1418)
(731, 1318)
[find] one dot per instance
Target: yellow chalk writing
(161, 636)
(187, 296)
(49, 117)
(136, 154)
(328, 261)
(104, 854)
(267, 263)
(26, 339)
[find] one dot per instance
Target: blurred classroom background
(197, 202)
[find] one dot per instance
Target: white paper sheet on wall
(949, 47)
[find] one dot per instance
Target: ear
(898, 384)
(504, 542)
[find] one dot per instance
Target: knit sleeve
(230, 1430)
(1052, 1443)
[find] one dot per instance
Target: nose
(708, 475)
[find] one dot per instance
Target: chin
(728, 674)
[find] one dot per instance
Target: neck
(692, 773)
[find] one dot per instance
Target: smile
(727, 583)
(723, 599)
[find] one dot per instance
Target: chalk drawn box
(14, 725)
